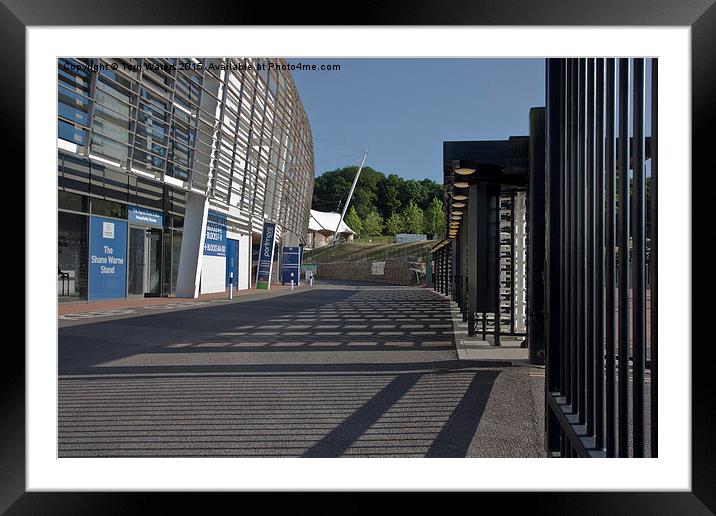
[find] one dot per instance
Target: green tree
(353, 221)
(435, 218)
(375, 192)
(373, 224)
(395, 224)
(389, 195)
(413, 216)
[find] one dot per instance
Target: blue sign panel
(108, 258)
(263, 271)
(291, 265)
(232, 261)
(215, 237)
(145, 216)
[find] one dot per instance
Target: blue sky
(401, 110)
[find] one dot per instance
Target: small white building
(321, 226)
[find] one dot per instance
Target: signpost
(377, 268)
(291, 266)
(309, 271)
(263, 271)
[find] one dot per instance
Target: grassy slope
(362, 251)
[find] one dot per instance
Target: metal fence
(601, 312)
(442, 267)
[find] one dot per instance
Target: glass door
(154, 262)
(136, 261)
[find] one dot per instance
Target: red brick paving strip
(86, 306)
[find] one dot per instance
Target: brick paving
(70, 307)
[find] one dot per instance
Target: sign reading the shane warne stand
(108, 256)
(263, 271)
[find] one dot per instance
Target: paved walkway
(333, 370)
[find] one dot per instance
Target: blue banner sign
(145, 216)
(263, 271)
(232, 261)
(215, 236)
(291, 265)
(108, 258)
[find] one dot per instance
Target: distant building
(404, 238)
(321, 226)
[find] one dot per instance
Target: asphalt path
(336, 370)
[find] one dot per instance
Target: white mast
(350, 194)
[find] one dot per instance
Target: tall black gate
(601, 257)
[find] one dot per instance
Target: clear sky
(401, 110)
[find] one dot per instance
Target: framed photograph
(424, 252)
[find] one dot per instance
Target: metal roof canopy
(496, 161)
(505, 162)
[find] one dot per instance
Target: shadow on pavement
(328, 372)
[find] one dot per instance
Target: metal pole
(350, 194)
(638, 220)
(610, 326)
(599, 211)
(653, 263)
(623, 257)
(590, 290)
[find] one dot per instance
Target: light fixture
(464, 171)
(458, 205)
(459, 197)
(456, 217)
(457, 212)
(461, 184)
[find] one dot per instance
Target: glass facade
(159, 248)
(146, 132)
(72, 249)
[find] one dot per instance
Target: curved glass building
(168, 170)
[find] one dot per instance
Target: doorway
(145, 258)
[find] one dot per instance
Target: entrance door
(153, 244)
(136, 258)
(145, 258)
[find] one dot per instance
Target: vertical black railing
(601, 258)
(653, 262)
(610, 337)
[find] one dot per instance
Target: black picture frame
(700, 15)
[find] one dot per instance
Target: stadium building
(169, 169)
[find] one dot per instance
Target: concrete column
(291, 239)
(192, 246)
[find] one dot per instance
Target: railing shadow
(195, 384)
